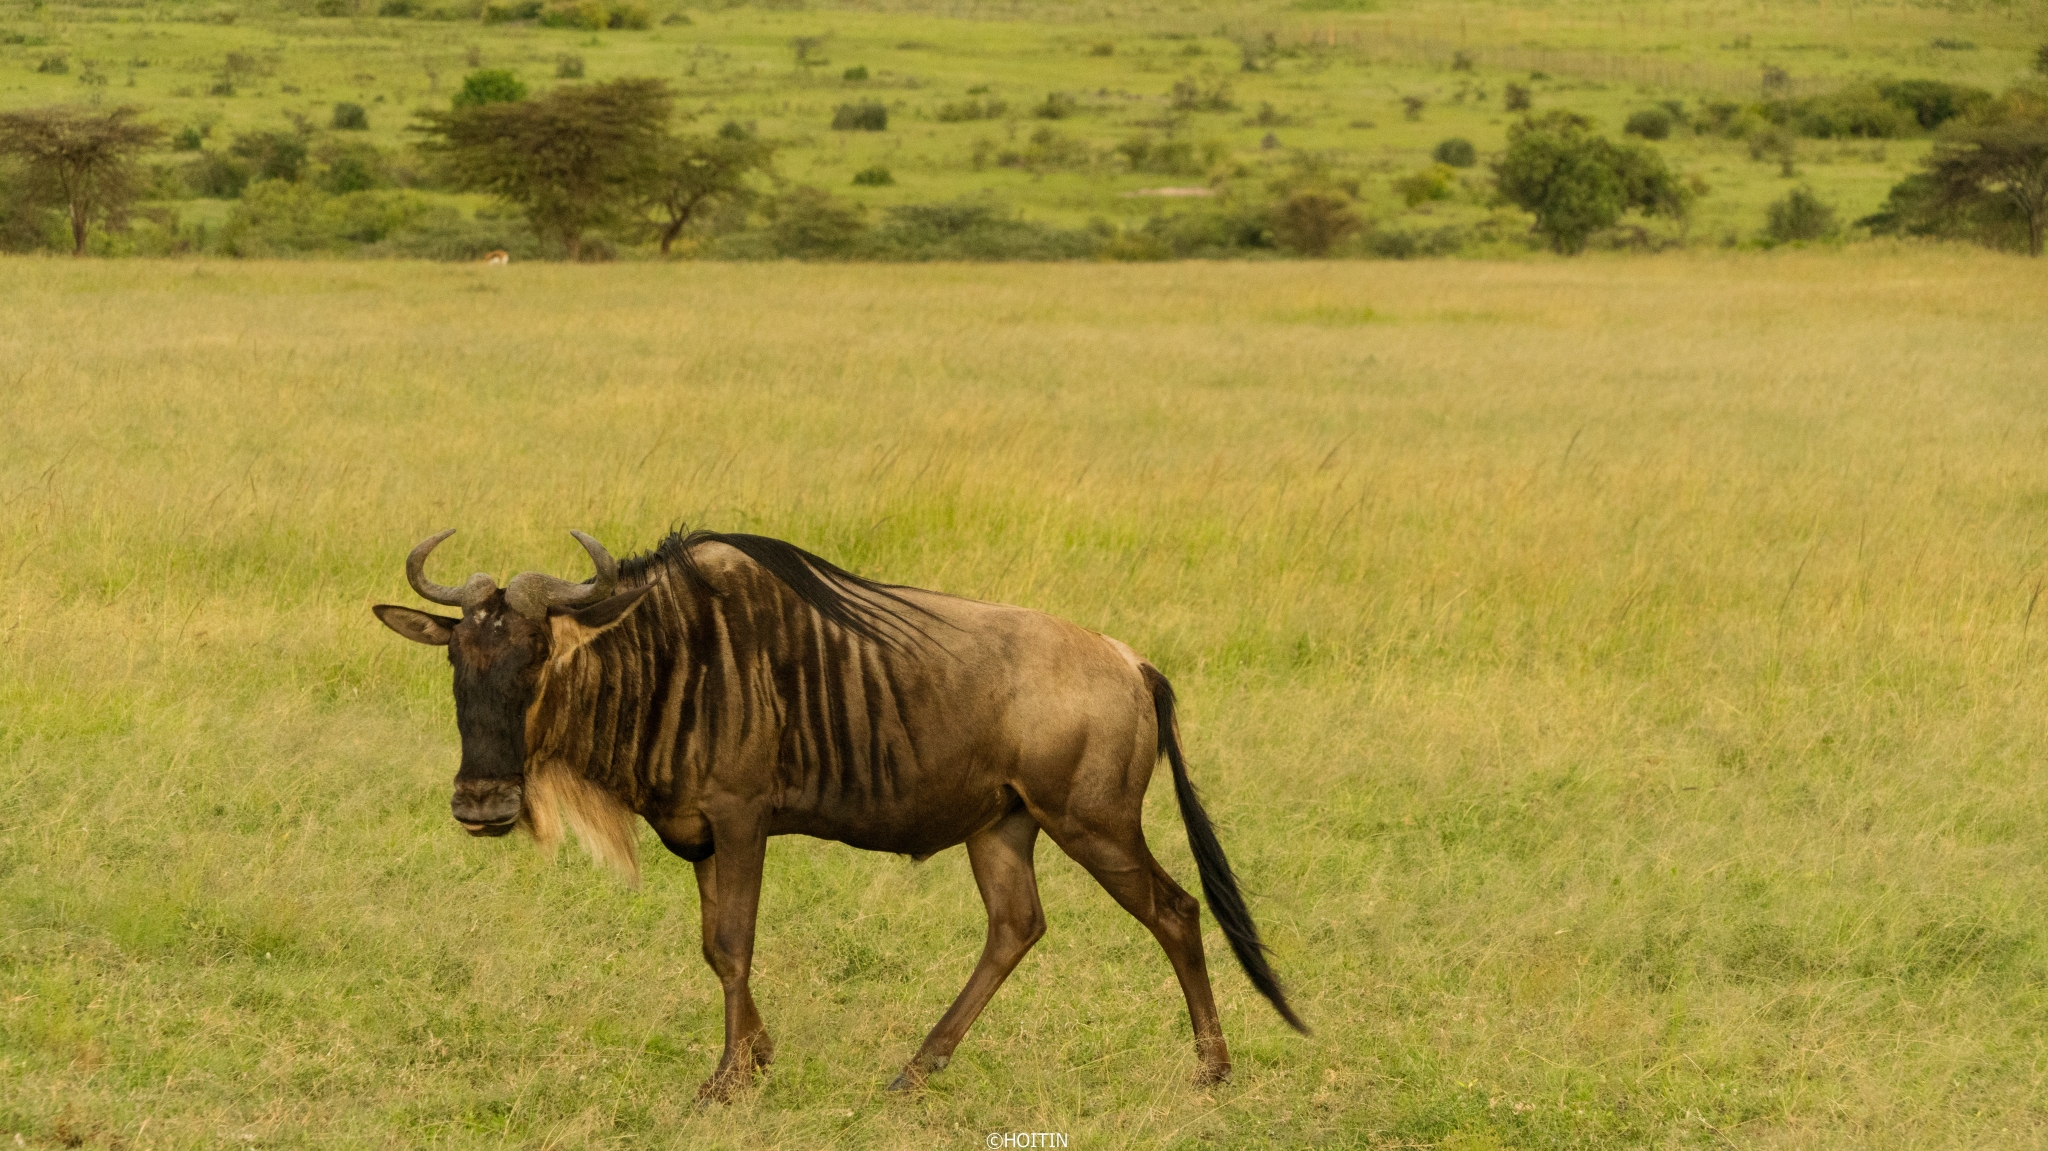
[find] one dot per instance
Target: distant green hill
(1069, 113)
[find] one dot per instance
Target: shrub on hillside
(1934, 102)
(1576, 182)
(350, 118)
(866, 116)
(591, 15)
(1056, 106)
(1171, 156)
(568, 66)
(271, 155)
(811, 222)
(1432, 183)
(508, 11)
(1312, 223)
(588, 15)
(1048, 149)
(356, 166)
(961, 111)
(214, 176)
(1191, 95)
(1800, 215)
(1650, 124)
(489, 86)
(279, 219)
(1918, 206)
(1455, 152)
(876, 176)
(972, 230)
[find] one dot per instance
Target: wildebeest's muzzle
(486, 806)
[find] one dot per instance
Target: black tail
(1219, 883)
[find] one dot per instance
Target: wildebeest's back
(913, 746)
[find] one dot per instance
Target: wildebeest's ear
(607, 612)
(573, 629)
(417, 626)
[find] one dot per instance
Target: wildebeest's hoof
(724, 1085)
(916, 1071)
(1211, 1074)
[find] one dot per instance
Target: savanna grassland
(1618, 682)
(1321, 85)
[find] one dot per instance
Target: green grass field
(1334, 86)
(1616, 680)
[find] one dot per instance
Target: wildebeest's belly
(917, 824)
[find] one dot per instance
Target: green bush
(1800, 215)
(1515, 98)
(1056, 106)
(355, 166)
(810, 222)
(866, 116)
(964, 110)
(277, 219)
(399, 9)
(568, 67)
(1650, 124)
(1455, 152)
(1576, 182)
(54, 66)
(971, 230)
(1190, 95)
(1432, 183)
(855, 74)
(214, 176)
(1312, 223)
(1934, 102)
(271, 155)
(190, 138)
(1170, 157)
(350, 118)
(874, 177)
(628, 17)
(490, 86)
(588, 15)
(508, 11)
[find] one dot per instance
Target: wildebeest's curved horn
(531, 594)
(479, 587)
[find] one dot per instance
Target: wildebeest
(726, 688)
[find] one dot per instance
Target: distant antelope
(497, 258)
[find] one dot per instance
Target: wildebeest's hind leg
(729, 893)
(1001, 856)
(1122, 863)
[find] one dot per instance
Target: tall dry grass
(1618, 681)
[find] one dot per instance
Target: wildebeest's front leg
(729, 889)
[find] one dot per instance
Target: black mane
(862, 606)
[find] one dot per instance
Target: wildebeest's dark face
(498, 647)
(497, 655)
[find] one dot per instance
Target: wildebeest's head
(499, 649)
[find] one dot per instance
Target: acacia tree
(83, 158)
(691, 174)
(1576, 182)
(572, 160)
(2001, 153)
